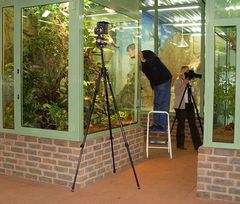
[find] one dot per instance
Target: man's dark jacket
(154, 69)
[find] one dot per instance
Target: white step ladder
(167, 144)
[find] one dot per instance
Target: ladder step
(158, 131)
(158, 142)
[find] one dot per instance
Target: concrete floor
(162, 180)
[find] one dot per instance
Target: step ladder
(159, 144)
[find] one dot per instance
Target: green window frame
(75, 73)
(213, 21)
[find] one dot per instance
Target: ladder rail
(169, 143)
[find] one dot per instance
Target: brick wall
(54, 161)
(219, 174)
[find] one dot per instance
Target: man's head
(131, 50)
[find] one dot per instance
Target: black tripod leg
(122, 130)
(109, 118)
(87, 128)
(195, 106)
(178, 108)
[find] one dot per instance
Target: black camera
(191, 75)
(101, 28)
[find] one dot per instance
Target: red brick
(222, 167)
(223, 197)
(49, 174)
(235, 176)
(237, 199)
(235, 161)
(201, 157)
(223, 182)
(30, 139)
(203, 194)
(35, 171)
(11, 136)
(235, 191)
(217, 159)
(61, 169)
(65, 150)
(213, 173)
(45, 154)
(17, 149)
(45, 166)
(204, 179)
(205, 150)
(60, 182)
(49, 148)
(65, 177)
(20, 144)
(31, 177)
(45, 179)
(224, 152)
(217, 188)
(204, 165)
(63, 143)
(45, 141)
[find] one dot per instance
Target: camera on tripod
(191, 75)
(101, 29)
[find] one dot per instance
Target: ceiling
(184, 14)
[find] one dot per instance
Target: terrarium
(50, 64)
(122, 68)
(224, 84)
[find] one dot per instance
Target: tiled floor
(162, 180)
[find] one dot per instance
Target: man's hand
(141, 57)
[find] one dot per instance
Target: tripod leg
(178, 108)
(87, 128)
(122, 130)
(195, 106)
(109, 118)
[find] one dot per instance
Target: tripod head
(100, 30)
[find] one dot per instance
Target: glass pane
(175, 26)
(120, 59)
(8, 69)
(175, 2)
(147, 43)
(180, 43)
(45, 66)
(224, 84)
(145, 3)
(227, 8)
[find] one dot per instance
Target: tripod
(190, 100)
(105, 75)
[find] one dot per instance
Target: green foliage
(224, 92)
(45, 68)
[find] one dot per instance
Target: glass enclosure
(122, 66)
(222, 96)
(8, 68)
(45, 66)
(51, 61)
(178, 25)
(224, 83)
(227, 8)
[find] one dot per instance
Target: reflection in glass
(170, 25)
(145, 3)
(227, 8)
(45, 66)
(8, 69)
(176, 2)
(224, 84)
(121, 65)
